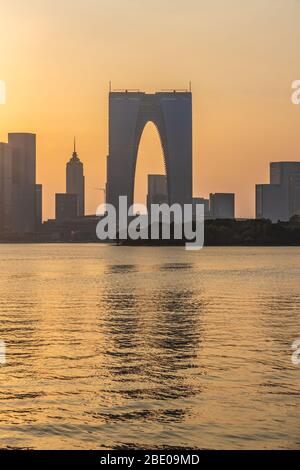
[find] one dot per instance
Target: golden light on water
(111, 347)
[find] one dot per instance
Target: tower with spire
(75, 180)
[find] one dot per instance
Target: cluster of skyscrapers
(171, 113)
(129, 112)
(218, 206)
(21, 196)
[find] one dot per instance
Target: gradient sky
(57, 57)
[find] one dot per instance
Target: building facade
(222, 206)
(66, 206)
(23, 182)
(75, 183)
(39, 205)
(279, 200)
(5, 187)
(171, 113)
(18, 210)
(157, 190)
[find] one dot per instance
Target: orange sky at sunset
(58, 56)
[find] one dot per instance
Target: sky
(58, 56)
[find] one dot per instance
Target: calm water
(113, 347)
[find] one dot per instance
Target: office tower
(171, 113)
(204, 202)
(221, 205)
(39, 205)
(280, 199)
(75, 180)
(294, 195)
(5, 187)
(269, 202)
(66, 206)
(23, 182)
(157, 190)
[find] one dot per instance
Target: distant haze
(58, 56)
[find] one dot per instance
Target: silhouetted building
(66, 206)
(5, 187)
(171, 113)
(269, 204)
(294, 195)
(222, 206)
(75, 180)
(74, 229)
(280, 199)
(39, 204)
(23, 207)
(157, 190)
(204, 202)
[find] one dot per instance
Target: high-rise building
(129, 112)
(75, 180)
(222, 206)
(23, 173)
(269, 202)
(66, 206)
(294, 195)
(280, 199)
(157, 190)
(39, 205)
(5, 187)
(20, 197)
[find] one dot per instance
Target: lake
(113, 347)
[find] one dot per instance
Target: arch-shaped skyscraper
(171, 113)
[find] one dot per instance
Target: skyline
(241, 78)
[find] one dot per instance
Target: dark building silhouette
(171, 113)
(23, 181)
(66, 206)
(5, 187)
(18, 183)
(75, 180)
(157, 190)
(39, 205)
(221, 206)
(280, 199)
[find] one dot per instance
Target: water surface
(111, 347)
